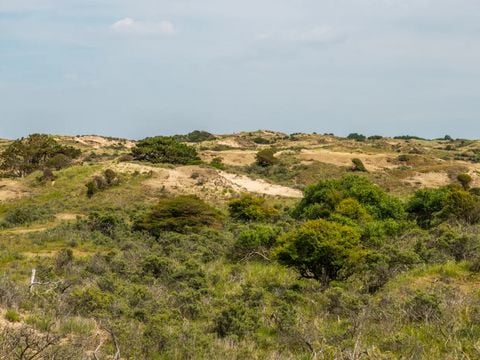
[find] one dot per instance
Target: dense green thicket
(163, 149)
(35, 152)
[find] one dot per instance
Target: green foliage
(180, 214)
(423, 307)
(196, 136)
(12, 315)
(432, 206)
(250, 208)
(105, 222)
(465, 180)
(261, 140)
(266, 158)
(26, 214)
(356, 137)
(318, 249)
(27, 155)
(108, 179)
(320, 200)
(163, 149)
(217, 163)
(255, 237)
(358, 165)
(426, 204)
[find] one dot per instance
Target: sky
(137, 68)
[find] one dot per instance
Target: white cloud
(131, 26)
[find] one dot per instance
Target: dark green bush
(196, 136)
(266, 158)
(358, 165)
(320, 200)
(163, 149)
(318, 249)
(180, 214)
(356, 137)
(465, 180)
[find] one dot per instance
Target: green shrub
(266, 158)
(320, 200)
(358, 165)
(180, 214)
(250, 208)
(465, 180)
(426, 203)
(255, 237)
(12, 316)
(196, 136)
(27, 214)
(108, 179)
(318, 249)
(217, 163)
(59, 161)
(163, 149)
(356, 137)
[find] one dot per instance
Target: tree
(180, 214)
(318, 249)
(356, 137)
(465, 180)
(358, 165)
(164, 149)
(266, 158)
(27, 155)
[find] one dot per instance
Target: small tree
(266, 158)
(358, 165)
(465, 180)
(318, 249)
(181, 214)
(163, 149)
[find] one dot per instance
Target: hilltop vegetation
(249, 246)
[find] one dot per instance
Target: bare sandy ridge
(206, 182)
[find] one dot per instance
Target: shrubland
(349, 271)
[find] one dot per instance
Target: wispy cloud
(132, 26)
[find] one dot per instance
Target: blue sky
(136, 68)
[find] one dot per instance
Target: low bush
(250, 208)
(180, 214)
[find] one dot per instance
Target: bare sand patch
(12, 189)
(99, 142)
(429, 180)
(231, 157)
(212, 184)
(372, 162)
